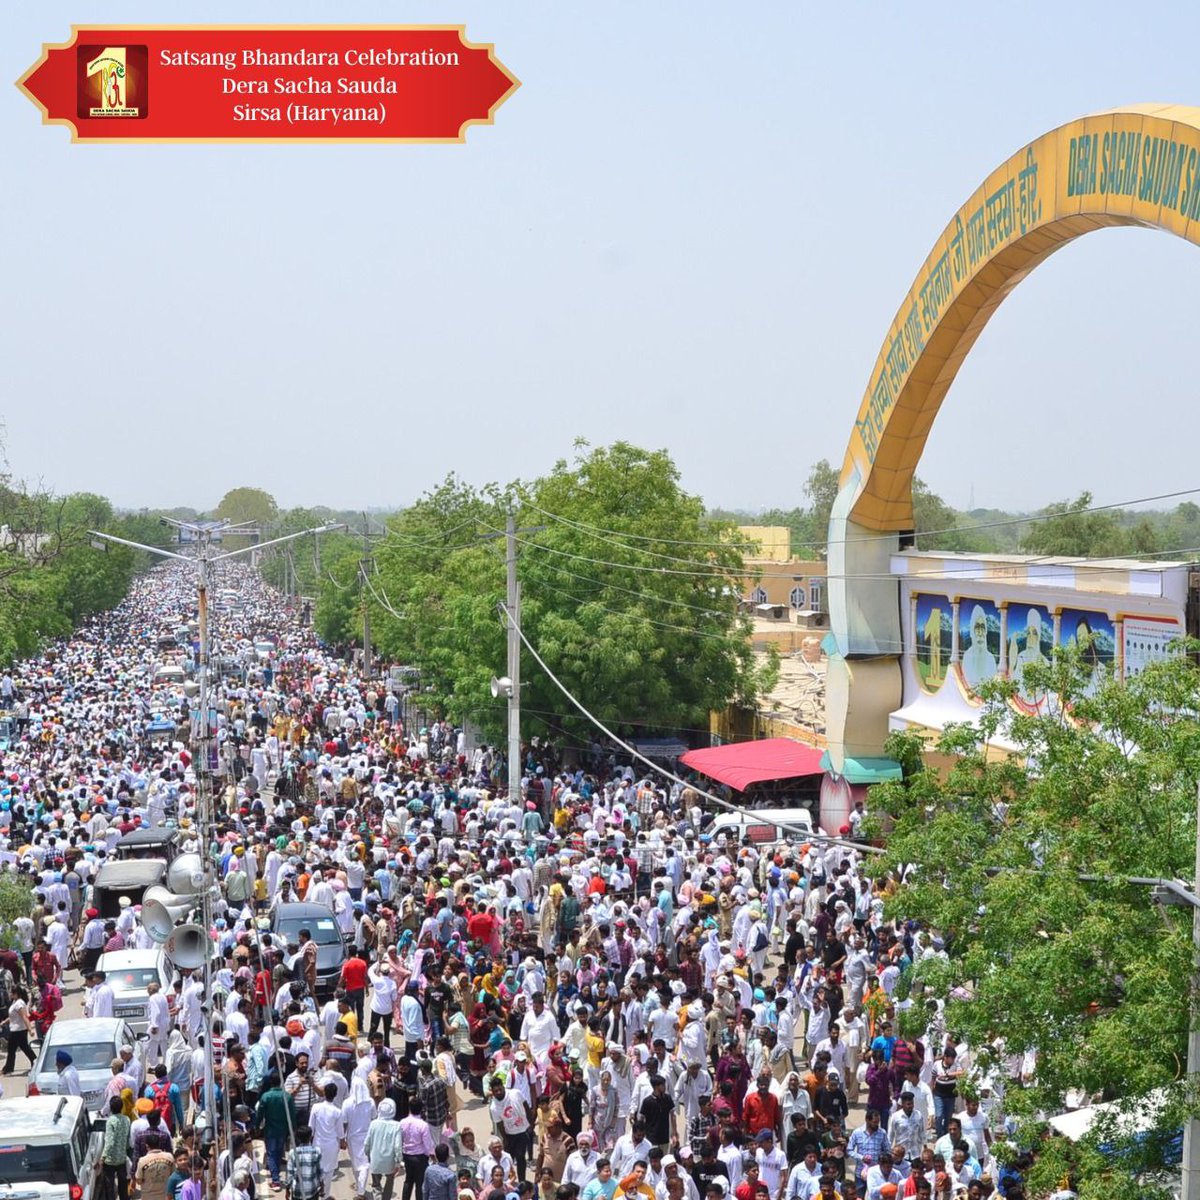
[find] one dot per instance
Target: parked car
(49, 1149)
(318, 919)
(132, 878)
(128, 972)
(92, 1044)
(766, 825)
(152, 841)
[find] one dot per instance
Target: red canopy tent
(743, 763)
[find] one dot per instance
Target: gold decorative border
(461, 30)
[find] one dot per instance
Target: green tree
(247, 504)
(627, 591)
(1066, 528)
(16, 900)
(1022, 863)
(337, 616)
(940, 527)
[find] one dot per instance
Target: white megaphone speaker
(185, 876)
(188, 946)
(160, 910)
(502, 687)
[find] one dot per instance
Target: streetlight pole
(205, 809)
(1191, 1127)
(513, 614)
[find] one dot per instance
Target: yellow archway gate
(1138, 165)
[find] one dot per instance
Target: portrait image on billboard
(1030, 643)
(978, 641)
(933, 638)
(1094, 636)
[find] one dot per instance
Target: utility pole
(1191, 1127)
(513, 605)
(206, 828)
(366, 608)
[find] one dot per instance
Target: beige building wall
(790, 582)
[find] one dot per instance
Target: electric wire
(1030, 519)
(382, 601)
(1067, 562)
(616, 612)
(796, 830)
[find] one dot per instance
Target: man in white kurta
(329, 1133)
(358, 1110)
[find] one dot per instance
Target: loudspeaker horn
(185, 876)
(160, 910)
(502, 686)
(188, 946)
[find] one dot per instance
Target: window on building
(758, 596)
(815, 596)
(797, 597)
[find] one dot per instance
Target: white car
(765, 825)
(48, 1149)
(263, 650)
(128, 972)
(92, 1045)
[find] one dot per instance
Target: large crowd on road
(643, 1009)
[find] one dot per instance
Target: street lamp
(202, 562)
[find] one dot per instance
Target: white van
(49, 1149)
(764, 825)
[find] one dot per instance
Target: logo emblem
(112, 81)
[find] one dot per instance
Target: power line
(746, 812)
(711, 544)
(617, 612)
(603, 534)
(382, 601)
(715, 572)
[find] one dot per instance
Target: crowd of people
(577, 993)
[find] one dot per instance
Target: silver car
(92, 1045)
(128, 972)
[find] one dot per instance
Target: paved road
(473, 1114)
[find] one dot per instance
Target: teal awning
(864, 770)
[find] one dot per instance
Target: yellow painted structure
(1131, 166)
(772, 543)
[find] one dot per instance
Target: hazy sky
(690, 228)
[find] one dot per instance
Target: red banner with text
(410, 83)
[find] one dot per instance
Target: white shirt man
(383, 988)
(496, 1156)
(691, 1086)
(976, 1128)
(772, 1163)
(68, 1079)
(99, 1002)
(880, 1173)
(158, 1017)
(836, 1049)
(329, 1130)
(539, 1029)
(907, 1128)
(804, 1181)
(580, 1168)
(627, 1150)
